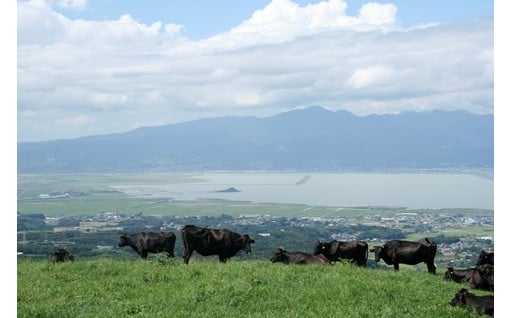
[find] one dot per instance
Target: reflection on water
(410, 190)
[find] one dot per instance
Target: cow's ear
(252, 241)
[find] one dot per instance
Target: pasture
(161, 287)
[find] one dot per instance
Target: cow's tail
(185, 240)
(431, 243)
(366, 259)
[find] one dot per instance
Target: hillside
(160, 287)
(307, 139)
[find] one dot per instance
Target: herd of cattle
(226, 244)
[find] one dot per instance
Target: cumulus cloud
(108, 76)
(284, 20)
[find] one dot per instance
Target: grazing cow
(60, 255)
(482, 304)
(206, 242)
(297, 258)
(356, 251)
(411, 253)
(458, 275)
(151, 242)
(485, 258)
(482, 278)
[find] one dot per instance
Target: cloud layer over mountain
(86, 77)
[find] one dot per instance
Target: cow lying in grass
(482, 304)
(297, 258)
(477, 278)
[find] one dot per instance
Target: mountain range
(313, 139)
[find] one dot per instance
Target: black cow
(356, 251)
(60, 255)
(458, 275)
(482, 278)
(206, 242)
(482, 304)
(297, 258)
(151, 242)
(411, 253)
(485, 258)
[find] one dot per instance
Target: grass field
(160, 287)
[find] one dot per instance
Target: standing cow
(356, 251)
(411, 253)
(144, 243)
(206, 242)
(297, 258)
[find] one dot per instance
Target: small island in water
(229, 190)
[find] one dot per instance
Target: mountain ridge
(312, 138)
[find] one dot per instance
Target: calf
(144, 243)
(355, 251)
(482, 304)
(297, 258)
(61, 255)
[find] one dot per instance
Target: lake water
(409, 190)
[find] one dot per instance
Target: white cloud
(121, 73)
(370, 75)
(378, 14)
(284, 20)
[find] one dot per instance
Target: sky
(88, 67)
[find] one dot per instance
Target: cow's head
(321, 248)
(448, 273)
(460, 297)
(485, 258)
(280, 256)
(123, 240)
(245, 242)
(378, 250)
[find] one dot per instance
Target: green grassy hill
(161, 287)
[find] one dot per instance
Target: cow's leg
(431, 268)
(222, 259)
(144, 254)
(186, 255)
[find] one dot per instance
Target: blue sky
(88, 67)
(204, 18)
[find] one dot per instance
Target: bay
(408, 190)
